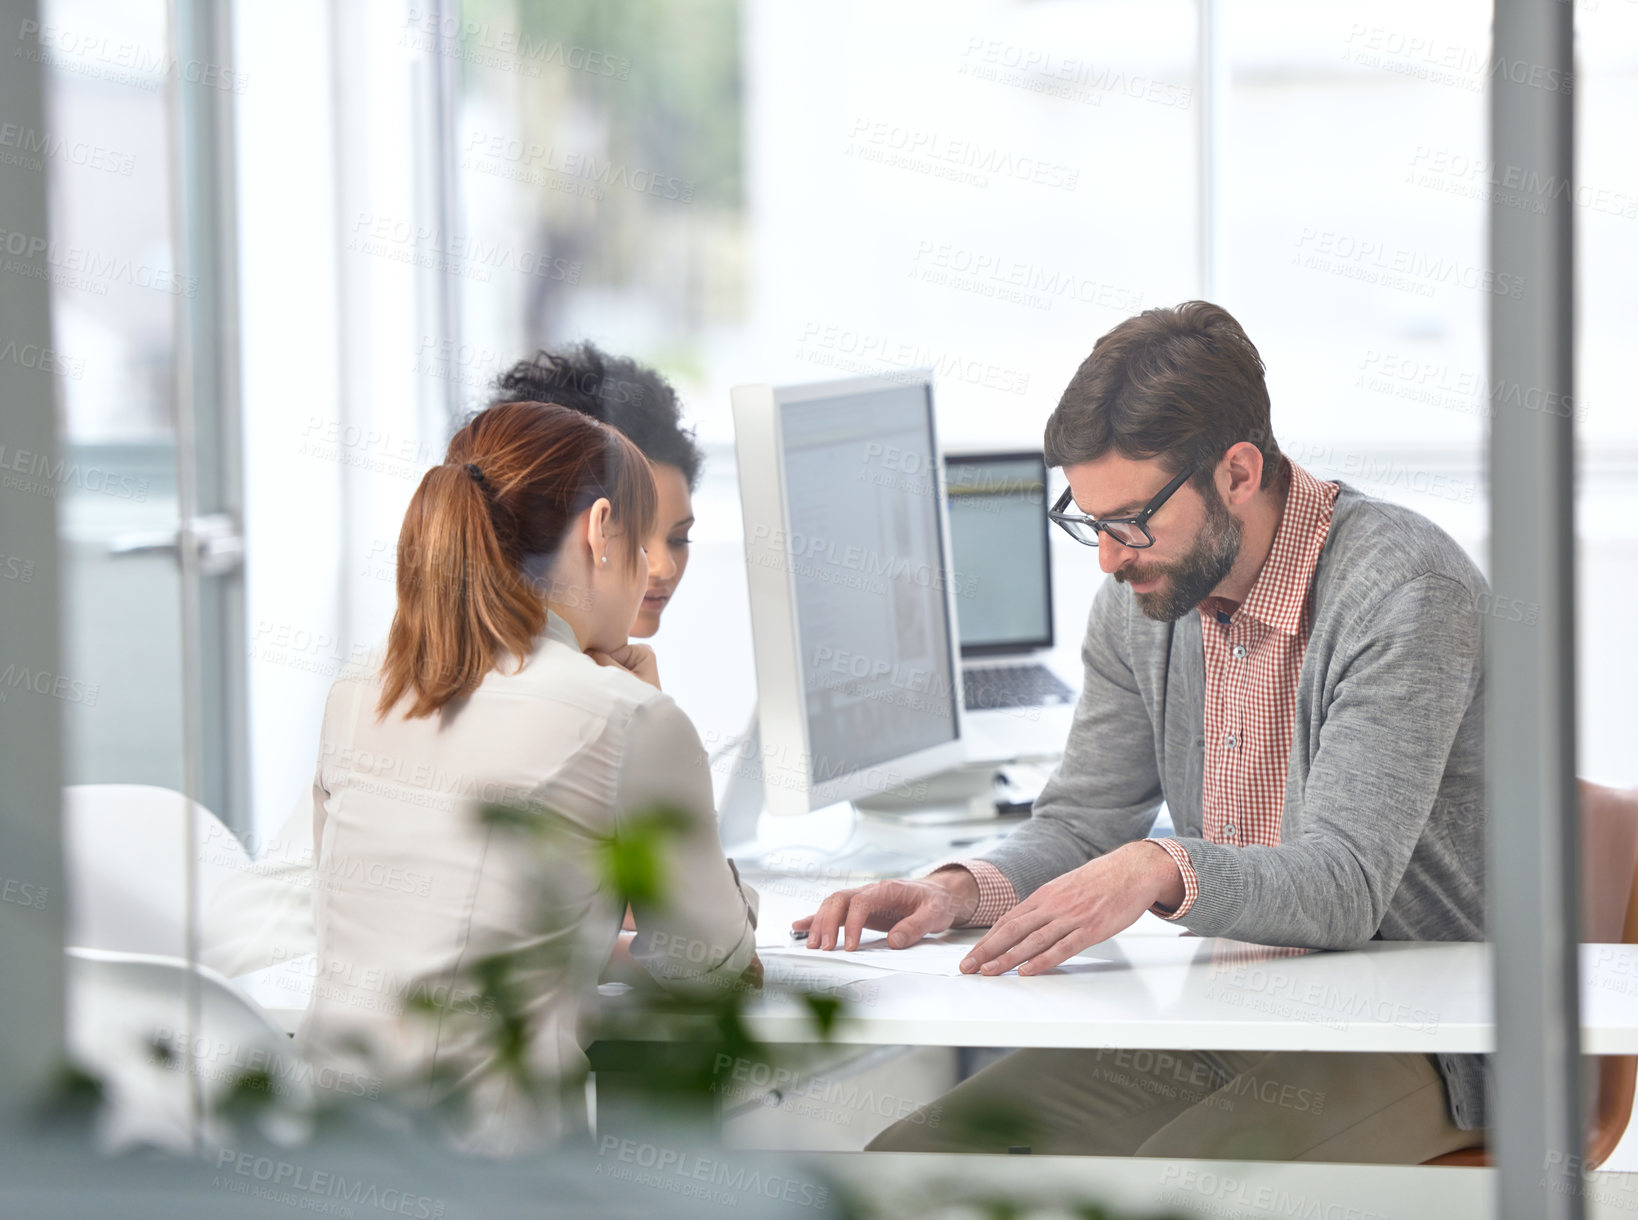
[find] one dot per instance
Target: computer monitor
(852, 613)
(998, 537)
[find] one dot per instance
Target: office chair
(125, 865)
(128, 1027)
(1609, 915)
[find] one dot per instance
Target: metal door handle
(215, 539)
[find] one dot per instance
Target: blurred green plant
(637, 108)
(663, 1045)
(659, 1054)
(70, 1101)
(676, 109)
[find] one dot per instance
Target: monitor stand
(962, 794)
(896, 833)
(971, 792)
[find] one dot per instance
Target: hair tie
(472, 469)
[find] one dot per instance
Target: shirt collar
(557, 628)
(1280, 592)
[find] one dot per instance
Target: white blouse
(411, 889)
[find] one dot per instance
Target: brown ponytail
(514, 479)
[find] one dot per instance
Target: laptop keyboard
(1012, 686)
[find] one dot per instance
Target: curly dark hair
(629, 397)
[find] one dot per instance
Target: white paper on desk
(790, 973)
(935, 956)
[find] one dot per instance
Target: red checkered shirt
(1253, 655)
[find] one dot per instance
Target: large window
(986, 187)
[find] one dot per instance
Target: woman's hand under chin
(636, 659)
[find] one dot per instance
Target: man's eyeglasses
(1128, 531)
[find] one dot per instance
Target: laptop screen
(998, 542)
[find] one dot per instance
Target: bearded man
(1295, 669)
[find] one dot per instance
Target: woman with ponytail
(264, 914)
(507, 680)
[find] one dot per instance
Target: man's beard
(1189, 581)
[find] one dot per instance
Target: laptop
(1017, 704)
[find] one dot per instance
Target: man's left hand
(1077, 910)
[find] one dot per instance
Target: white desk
(1151, 988)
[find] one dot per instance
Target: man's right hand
(909, 910)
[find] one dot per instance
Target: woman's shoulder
(644, 709)
(553, 675)
(560, 676)
(641, 723)
(357, 679)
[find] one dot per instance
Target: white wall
(339, 426)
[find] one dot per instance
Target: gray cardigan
(1383, 830)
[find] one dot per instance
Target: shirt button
(1239, 651)
(1230, 740)
(1229, 830)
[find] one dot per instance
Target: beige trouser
(1242, 1105)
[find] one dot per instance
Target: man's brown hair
(1181, 385)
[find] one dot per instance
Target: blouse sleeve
(264, 914)
(700, 928)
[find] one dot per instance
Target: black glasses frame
(1069, 521)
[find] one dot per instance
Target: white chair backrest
(128, 1026)
(126, 865)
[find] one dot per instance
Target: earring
(605, 559)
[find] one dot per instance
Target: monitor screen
(998, 535)
(870, 575)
